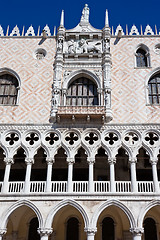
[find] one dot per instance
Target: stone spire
(85, 14)
(62, 19)
(106, 19)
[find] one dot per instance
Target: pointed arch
(116, 203)
(62, 204)
(145, 209)
(81, 73)
(12, 208)
(142, 54)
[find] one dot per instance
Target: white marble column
(91, 162)
(137, 233)
(50, 162)
(155, 176)
(2, 232)
(29, 162)
(134, 186)
(9, 162)
(90, 233)
(70, 174)
(112, 162)
(44, 233)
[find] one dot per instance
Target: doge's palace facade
(80, 133)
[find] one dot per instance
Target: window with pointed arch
(154, 89)
(142, 58)
(82, 92)
(8, 89)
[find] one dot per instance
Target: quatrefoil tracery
(111, 138)
(91, 138)
(51, 138)
(151, 138)
(71, 138)
(12, 138)
(32, 138)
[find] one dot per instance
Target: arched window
(150, 230)
(33, 226)
(82, 92)
(8, 89)
(72, 229)
(154, 89)
(141, 58)
(108, 228)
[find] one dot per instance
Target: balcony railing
(81, 110)
(77, 187)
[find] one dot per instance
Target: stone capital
(137, 231)
(90, 231)
(133, 160)
(8, 161)
(153, 161)
(70, 160)
(45, 231)
(91, 160)
(50, 160)
(3, 231)
(29, 161)
(112, 160)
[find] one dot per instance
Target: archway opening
(39, 168)
(72, 229)
(2, 166)
(108, 229)
(18, 169)
(112, 224)
(82, 92)
(80, 169)
(68, 224)
(21, 224)
(150, 230)
(101, 166)
(32, 232)
(143, 167)
(60, 167)
(122, 168)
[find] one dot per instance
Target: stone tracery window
(82, 92)
(8, 89)
(154, 89)
(141, 58)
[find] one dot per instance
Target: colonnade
(71, 161)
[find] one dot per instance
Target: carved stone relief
(82, 46)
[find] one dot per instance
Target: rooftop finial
(54, 34)
(62, 18)
(85, 14)
(106, 19)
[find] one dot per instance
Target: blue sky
(42, 12)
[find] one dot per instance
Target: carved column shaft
(29, 162)
(91, 178)
(70, 174)
(155, 176)
(112, 162)
(9, 162)
(50, 162)
(134, 186)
